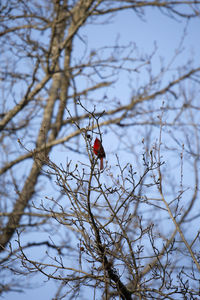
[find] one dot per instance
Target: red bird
(99, 151)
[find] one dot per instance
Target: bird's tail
(101, 163)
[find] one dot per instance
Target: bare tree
(131, 231)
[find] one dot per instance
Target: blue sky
(167, 33)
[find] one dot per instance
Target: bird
(99, 151)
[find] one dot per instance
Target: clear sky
(127, 27)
